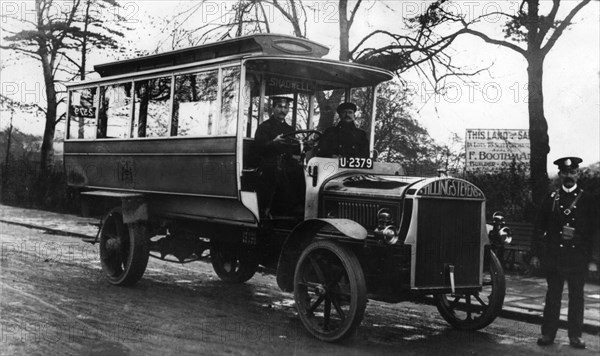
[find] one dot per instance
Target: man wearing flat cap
(562, 245)
(344, 139)
(281, 175)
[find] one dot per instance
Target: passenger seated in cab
(281, 185)
(344, 139)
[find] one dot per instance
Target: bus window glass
(115, 105)
(151, 110)
(195, 108)
(229, 101)
(82, 113)
(251, 97)
(302, 111)
(362, 97)
(326, 103)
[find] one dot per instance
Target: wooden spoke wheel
(476, 310)
(124, 249)
(233, 265)
(329, 290)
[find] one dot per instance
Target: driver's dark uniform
(345, 140)
(281, 185)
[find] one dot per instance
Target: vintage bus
(162, 145)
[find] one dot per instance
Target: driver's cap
(281, 100)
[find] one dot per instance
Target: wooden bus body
(163, 146)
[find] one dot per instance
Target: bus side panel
(189, 166)
(198, 208)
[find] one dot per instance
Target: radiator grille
(363, 213)
(448, 233)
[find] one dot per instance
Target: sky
(496, 98)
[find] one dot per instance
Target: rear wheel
(329, 290)
(233, 265)
(476, 310)
(124, 249)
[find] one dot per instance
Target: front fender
(302, 235)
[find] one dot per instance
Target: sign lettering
(82, 111)
(491, 150)
(293, 84)
(451, 188)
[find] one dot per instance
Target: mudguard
(302, 235)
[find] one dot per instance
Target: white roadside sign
(491, 150)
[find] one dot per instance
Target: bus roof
(266, 44)
(332, 72)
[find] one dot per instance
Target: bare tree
(526, 32)
(52, 38)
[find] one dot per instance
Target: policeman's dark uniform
(281, 183)
(562, 240)
(344, 139)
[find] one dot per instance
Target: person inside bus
(344, 139)
(280, 188)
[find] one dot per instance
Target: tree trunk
(6, 173)
(538, 129)
(50, 125)
(327, 107)
(344, 31)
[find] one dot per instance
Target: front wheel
(124, 249)
(476, 310)
(329, 290)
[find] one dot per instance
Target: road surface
(55, 300)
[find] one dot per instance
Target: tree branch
(563, 25)
(353, 13)
(488, 39)
(549, 20)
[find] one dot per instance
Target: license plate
(356, 162)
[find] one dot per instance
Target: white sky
(496, 99)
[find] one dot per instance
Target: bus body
(163, 146)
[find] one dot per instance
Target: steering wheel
(305, 135)
(306, 138)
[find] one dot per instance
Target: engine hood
(369, 185)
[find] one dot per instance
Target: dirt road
(55, 300)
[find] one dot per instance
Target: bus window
(113, 117)
(151, 107)
(363, 98)
(229, 101)
(251, 104)
(302, 111)
(326, 103)
(82, 115)
(195, 106)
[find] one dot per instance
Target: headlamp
(385, 228)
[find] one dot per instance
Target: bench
(517, 254)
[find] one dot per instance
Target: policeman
(281, 185)
(344, 139)
(562, 242)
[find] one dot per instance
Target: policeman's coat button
(561, 245)
(561, 206)
(575, 194)
(572, 246)
(567, 224)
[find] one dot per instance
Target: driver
(344, 139)
(281, 187)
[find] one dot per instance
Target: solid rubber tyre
(231, 265)
(124, 250)
(459, 311)
(329, 290)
